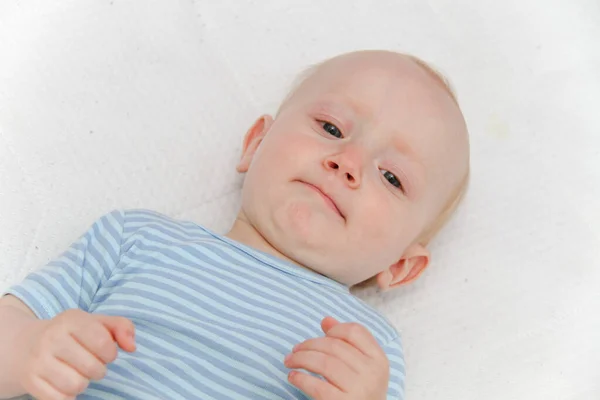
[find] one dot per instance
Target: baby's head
(364, 161)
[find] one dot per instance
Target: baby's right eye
(332, 129)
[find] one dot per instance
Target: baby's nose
(344, 167)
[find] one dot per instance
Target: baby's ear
(407, 269)
(253, 137)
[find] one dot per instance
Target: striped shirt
(214, 318)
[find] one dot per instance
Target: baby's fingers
(359, 337)
(81, 359)
(64, 378)
(331, 368)
(43, 390)
(121, 329)
(97, 340)
(336, 348)
(316, 388)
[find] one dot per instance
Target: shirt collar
(283, 265)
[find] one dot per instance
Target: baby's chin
(305, 225)
(305, 233)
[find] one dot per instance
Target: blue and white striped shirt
(214, 318)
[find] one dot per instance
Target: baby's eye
(332, 129)
(391, 178)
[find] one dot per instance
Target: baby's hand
(348, 357)
(70, 350)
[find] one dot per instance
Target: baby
(363, 162)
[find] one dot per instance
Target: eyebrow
(336, 101)
(403, 148)
(356, 106)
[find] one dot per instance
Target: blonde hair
(459, 191)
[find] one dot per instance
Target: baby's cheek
(382, 228)
(296, 147)
(376, 221)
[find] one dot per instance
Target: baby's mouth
(328, 200)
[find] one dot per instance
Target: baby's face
(358, 162)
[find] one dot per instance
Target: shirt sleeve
(395, 354)
(72, 280)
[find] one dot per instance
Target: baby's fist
(70, 350)
(348, 357)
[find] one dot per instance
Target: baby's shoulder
(149, 223)
(142, 217)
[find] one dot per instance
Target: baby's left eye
(391, 178)
(332, 129)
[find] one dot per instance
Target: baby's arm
(56, 358)
(67, 346)
(18, 324)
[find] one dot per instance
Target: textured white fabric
(118, 104)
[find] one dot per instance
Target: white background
(119, 104)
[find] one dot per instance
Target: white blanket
(119, 104)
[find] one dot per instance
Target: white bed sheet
(119, 104)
